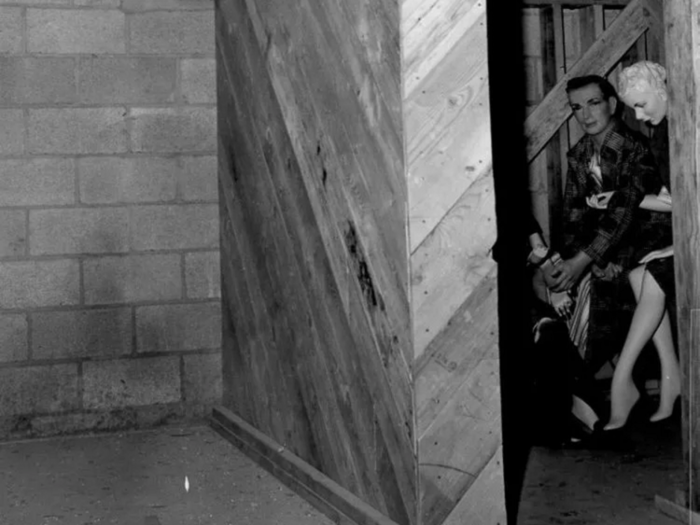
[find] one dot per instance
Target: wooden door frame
(682, 34)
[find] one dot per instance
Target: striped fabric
(578, 322)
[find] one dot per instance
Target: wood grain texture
(682, 22)
(452, 230)
(318, 347)
(481, 503)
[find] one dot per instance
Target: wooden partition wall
(452, 227)
(347, 128)
(360, 359)
(317, 342)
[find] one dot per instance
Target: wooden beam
(682, 23)
(656, 48)
(546, 119)
(553, 69)
(676, 511)
(327, 496)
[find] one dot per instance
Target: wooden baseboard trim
(676, 511)
(326, 495)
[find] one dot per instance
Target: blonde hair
(643, 76)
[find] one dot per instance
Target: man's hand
(569, 271)
(609, 273)
(599, 201)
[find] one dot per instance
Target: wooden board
(343, 507)
(682, 22)
(317, 340)
(452, 230)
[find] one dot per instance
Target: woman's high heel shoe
(628, 403)
(663, 416)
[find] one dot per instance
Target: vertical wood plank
(554, 68)
(682, 23)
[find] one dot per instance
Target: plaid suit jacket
(628, 168)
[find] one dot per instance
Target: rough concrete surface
(614, 482)
(139, 479)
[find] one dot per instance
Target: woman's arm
(656, 203)
(652, 202)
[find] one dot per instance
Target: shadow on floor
(139, 479)
(614, 483)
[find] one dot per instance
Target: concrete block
(173, 129)
(131, 382)
(135, 6)
(82, 333)
(198, 77)
(118, 419)
(169, 328)
(97, 3)
(180, 227)
(127, 80)
(78, 230)
(37, 182)
(13, 234)
(11, 22)
(31, 284)
(36, 2)
(202, 275)
(172, 32)
(37, 80)
(110, 280)
(198, 179)
(12, 130)
(77, 130)
(110, 180)
(92, 31)
(202, 379)
(39, 389)
(13, 338)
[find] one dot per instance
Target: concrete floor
(139, 479)
(614, 483)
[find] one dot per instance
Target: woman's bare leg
(670, 368)
(647, 317)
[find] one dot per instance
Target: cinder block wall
(109, 263)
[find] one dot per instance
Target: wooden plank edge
(336, 502)
(676, 511)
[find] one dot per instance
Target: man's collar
(613, 138)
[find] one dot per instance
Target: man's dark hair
(606, 88)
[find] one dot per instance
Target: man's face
(592, 111)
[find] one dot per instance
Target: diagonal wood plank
(445, 268)
(460, 442)
(454, 353)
